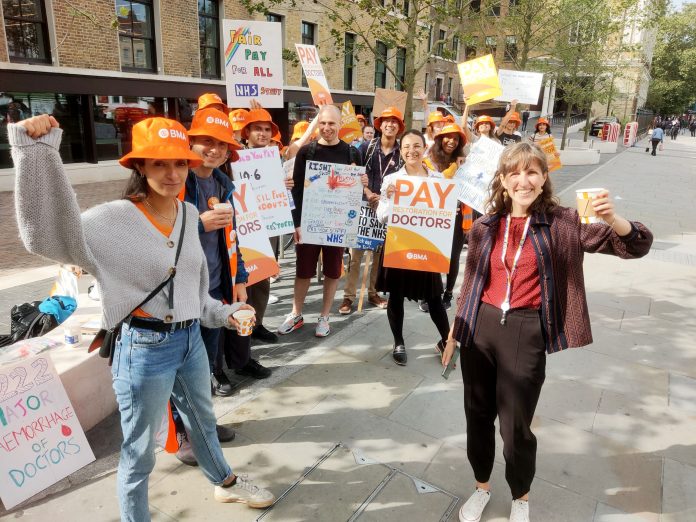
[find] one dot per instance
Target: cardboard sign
(258, 255)
(41, 440)
(371, 231)
(475, 174)
(388, 98)
(549, 148)
(421, 224)
(311, 65)
(253, 62)
(479, 79)
(263, 170)
(350, 126)
(523, 86)
(331, 204)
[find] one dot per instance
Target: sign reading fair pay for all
(41, 440)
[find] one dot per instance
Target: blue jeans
(148, 368)
(211, 338)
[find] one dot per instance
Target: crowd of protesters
(522, 297)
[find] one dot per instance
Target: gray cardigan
(114, 241)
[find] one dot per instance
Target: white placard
(314, 72)
(475, 174)
(523, 86)
(253, 62)
(331, 204)
(41, 440)
(263, 169)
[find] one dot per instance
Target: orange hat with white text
(238, 118)
(452, 128)
(159, 138)
(391, 112)
(258, 116)
(214, 123)
(210, 98)
(299, 129)
(435, 117)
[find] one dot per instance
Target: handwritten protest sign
(552, 156)
(263, 170)
(421, 224)
(371, 231)
(253, 62)
(331, 204)
(479, 79)
(41, 440)
(350, 126)
(475, 174)
(523, 86)
(388, 98)
(259, 259)
(311, 65)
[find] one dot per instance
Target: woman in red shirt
(523, 296)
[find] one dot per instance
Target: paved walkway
(615, 423)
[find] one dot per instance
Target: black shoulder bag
(105, 340)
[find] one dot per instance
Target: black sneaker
(224, 434)
(399, 355)
(423, 306)
(254, 369)
(222, 387)
(447, 300)
(264, 334)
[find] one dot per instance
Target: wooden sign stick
(367, 259)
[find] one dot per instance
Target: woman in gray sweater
(130, 246)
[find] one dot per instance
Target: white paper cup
(583, 198)
(245, 318)
(222, 206)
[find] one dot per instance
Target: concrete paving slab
(571, 402)
(679, 502)
(605, 513)
(682, 393)
(422, 358)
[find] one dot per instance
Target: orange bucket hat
(299, 129)
(214, 123)
(449, 119)
(209, 98)
(360, 117)
(256, 116)
(453, 128)
(543, 121)
(237, 118)
(484, 119)
(515, 118)
(277, 138)
(159, 138)
(434, 117)
(391, 112)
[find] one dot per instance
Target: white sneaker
(323, 329)
(473, 508)
(245, 492)
(519, 512)
(292, 322)
(273, 299)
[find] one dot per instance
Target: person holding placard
(483, 126)
(507, 132)
(541, 130)
(130, 245)
(328, 149)
(523, 296)
(381, 158)
(402, 283)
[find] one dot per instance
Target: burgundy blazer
(559, 241)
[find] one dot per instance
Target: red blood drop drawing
(65, 430)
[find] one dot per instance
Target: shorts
(308, 256)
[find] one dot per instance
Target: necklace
(168, 220)
(505, 306)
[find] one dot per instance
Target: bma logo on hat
(217, 121)
(163, 133)
(171, 133)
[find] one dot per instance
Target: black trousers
(503, 374)
(655, 143)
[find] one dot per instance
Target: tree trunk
(566, 124)
(410, 70)
(588, 123)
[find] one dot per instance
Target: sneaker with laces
(473, 508)
(244, 492)
(322, 329)
(346, 307)
(273, 299)
(519, 512)
(292, 322)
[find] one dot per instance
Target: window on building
(430, 39)
(470, 48)
(136, 33)
(491, 44)
(26, 31)
(494, 8)
(450, 98)
(510, 48)
(272, 17)
(441, 43)
(405, 7)
(381, 65)
(400, 68)
(348, 61)
(455, 48)
(475, 6)
(308, 34)
(209, 36)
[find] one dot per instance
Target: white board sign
(371, 231)
(475, 174)
(523, 86)
(41, 440)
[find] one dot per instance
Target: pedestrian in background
(523, 296)
(657, 138)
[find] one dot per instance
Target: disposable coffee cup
(222, 206)
(245, 319)
(584, 198)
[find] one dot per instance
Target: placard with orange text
(552, 157)
(479, 79)
(316, 80)
(259, 259)
(421, 224)
(350, 126)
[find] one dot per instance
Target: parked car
(598, 124)
(448, 110)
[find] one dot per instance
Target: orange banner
(552, 156)
(479, 79)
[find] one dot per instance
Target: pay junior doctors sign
(41, 440)
(253, 63)
(421, 224)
